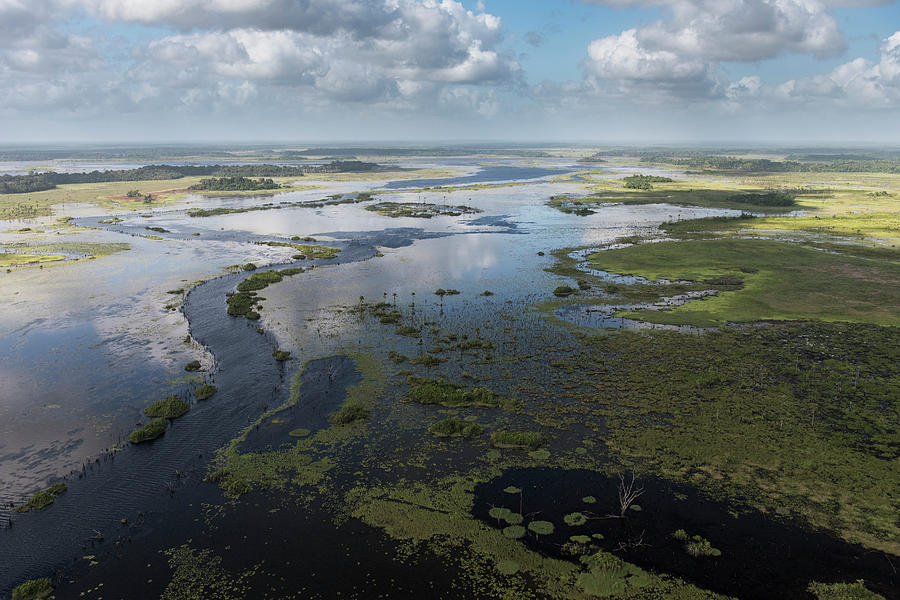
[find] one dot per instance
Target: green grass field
(781, 281)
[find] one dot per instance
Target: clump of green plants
(170, 408)
(35, 589)
(455, 428)
(249, 266)
(205, 391)
(281, 355)
(428, 360)
(608, 575)
(487, 293)
(349, 413)
(408, 331)
(696, 546)
(397, 357)
(442, 292)
(157, 229)
(150, 431)
(259, 281)
(518, 439)
(446, 393)
(575, 519)
(564, 291)
(42, 498)
(842, 591)
(240, 304)
(193, 366)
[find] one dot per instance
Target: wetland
(517, 377)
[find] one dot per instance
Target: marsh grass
(205, 391)
(446, 393)
(35, 589)
(148, 432)
(780, 281)
(453, 427)
(170, 408)
(518, 439)
(43, 498)
(350, 412)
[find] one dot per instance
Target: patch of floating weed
(281, 355)
(199, 574)
(193, 366)
(575, 519)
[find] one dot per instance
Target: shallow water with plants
(328, 389)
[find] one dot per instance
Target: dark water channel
(761, 557)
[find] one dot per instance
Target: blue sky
(342, 70)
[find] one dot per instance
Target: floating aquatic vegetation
(575, 519)
(281, 355)
(539, 528)
(193, 366)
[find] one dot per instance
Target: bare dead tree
(628, 493)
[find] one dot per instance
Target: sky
(639, 71)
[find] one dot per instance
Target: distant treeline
(36, 182)
(230, 184)
(421, 151)
(764, 165)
